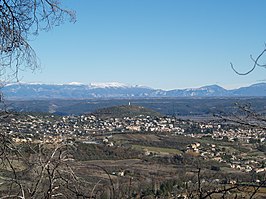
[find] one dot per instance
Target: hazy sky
(158, 43)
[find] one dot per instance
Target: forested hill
(125, 111)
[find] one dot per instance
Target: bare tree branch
(20, 21)
(256, 64)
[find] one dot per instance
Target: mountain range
(25, 91)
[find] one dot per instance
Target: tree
(21, 21)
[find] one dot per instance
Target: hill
(125, 111)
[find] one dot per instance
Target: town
(131, 146)
(91, 129)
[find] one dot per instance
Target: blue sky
(157, 43)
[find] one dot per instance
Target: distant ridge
(75, 90)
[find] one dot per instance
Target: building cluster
(54, 128)
(233, 158)
(229, 133)
(51, 129)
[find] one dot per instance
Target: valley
(142, 155)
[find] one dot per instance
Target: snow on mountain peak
(109, 85)
(75, 83)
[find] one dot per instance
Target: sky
(164, 44)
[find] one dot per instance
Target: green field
(160, 150)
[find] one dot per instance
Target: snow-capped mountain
(75, 90)
(108, 85)
(75, 83)
(253, 90)
(205, 91)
